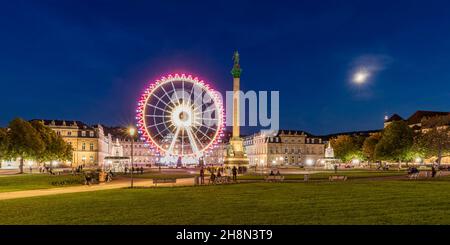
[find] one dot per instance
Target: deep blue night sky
(89, 60)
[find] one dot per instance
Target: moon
(361, 76)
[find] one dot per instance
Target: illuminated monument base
(236, 157)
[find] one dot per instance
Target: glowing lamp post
(132, 132)
(418, 160)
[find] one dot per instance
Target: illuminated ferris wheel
(180, 116)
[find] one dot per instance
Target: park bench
(414, 175)
(163, 181)
(337, 177)
(222, 180)
(274, 178)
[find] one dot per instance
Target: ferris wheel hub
(182, 116)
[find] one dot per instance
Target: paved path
(117, 184)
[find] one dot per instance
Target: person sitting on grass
(271, 173)
(278, 173)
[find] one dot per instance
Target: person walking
(433, 171)
(212, 178)
(202, 176)
(234, 171)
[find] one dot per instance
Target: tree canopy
(369, 145)
(347, 147)
(4, 142)
(55, 147)
(395, 143)
(24, 141)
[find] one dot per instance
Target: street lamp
(418, 160)
(132, 131)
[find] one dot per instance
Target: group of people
(137, 170)
(44, 169)
(274, 174)
(220, 173)
(79, 169)
(94, 176)
(415, 170)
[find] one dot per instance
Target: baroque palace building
(89, 143)
(286, 147)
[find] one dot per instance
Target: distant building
(286, 147)
(363, 133)
(142, 153)
(415, 120)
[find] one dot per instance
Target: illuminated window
(91, 146)
(83, 133)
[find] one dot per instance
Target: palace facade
(286, 147)
(89, 143)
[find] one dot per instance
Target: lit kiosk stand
(329, 161)
(235, 154)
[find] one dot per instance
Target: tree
(55, 148)
(347, 147)
(4, 142)
(435, 137)
(369, 145)
(396, 141)
(24, 141)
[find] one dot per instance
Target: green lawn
(36, 181)
(351, 202)
(351, 174)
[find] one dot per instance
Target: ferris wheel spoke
(175, 92)
(192, 91)
(159, 108)
(160, 133)
(213, 129)
(192, 141)
(160, 99)
(174, 140)
(205, 135)
(165, 116)
(198, 140)
(182, 141)
(214, 109)
(156, 125)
